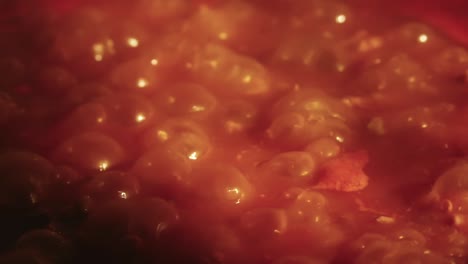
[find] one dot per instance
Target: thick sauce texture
(228, 132)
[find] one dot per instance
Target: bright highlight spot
(98, 50)
(142, 83)
(234, 194)
(103, 165)
(154, 62)
(133, 42)
(140, 118)
(193, 156)
(339, 139)
(340, 19)
(98, 57)
(198, 108)
(123, 195)
(423, 38)
(234, 190)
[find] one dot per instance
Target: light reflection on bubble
(142, 83)
(423, 38)
(198, 108)
(103, 165)
(154, 62)
(340, 19)
(339, 139)
(123, 195)
(193, 156)
(102, 48)
(98, 57)
(140, 118)
(133, 42)
(234, 194)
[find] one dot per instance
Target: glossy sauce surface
(225, 132)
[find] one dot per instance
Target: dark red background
(448, 15)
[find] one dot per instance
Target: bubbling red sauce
(226, 132)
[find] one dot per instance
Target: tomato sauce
(225, 132)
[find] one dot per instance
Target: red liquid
(231, 132)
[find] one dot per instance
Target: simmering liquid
(225, 132)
